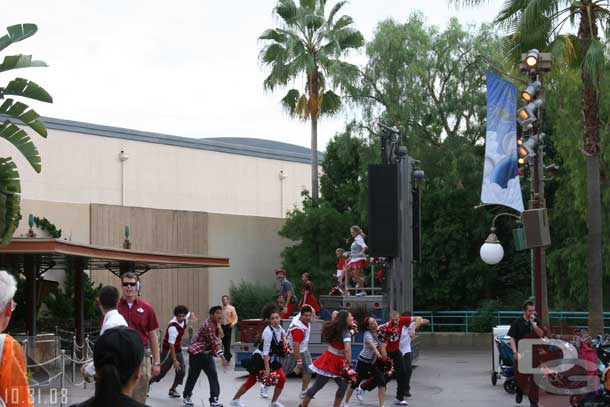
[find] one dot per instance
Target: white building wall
(83, 168)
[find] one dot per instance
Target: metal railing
(465, 321)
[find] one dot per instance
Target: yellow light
(521, 161)
(519, 141)
(522, 151)
(523, 114)
(531, 61)
(526, 96)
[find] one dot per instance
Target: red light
(348, 305)
(376, 305)
(520, 171)
(246, 348)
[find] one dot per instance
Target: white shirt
(298, 324)
(268, 334)
(172, 331)
(112, 319)
(405, 339)
(356, 248)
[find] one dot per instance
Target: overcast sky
(188, 68)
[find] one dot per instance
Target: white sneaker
(344, 405)
(400, 402)
(264, 392)
(277, 404)
(236, 403)
(360, 394)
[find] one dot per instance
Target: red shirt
(141, 317)
(341, 264)
(393, 344)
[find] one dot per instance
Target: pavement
(442, 378)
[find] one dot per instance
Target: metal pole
(73, 358)
(63, 372)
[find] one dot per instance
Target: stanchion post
(63, 373)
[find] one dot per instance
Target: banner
(501, 184)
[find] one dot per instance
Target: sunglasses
(128, 284)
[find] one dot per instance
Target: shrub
(486, 316)
(250, 298)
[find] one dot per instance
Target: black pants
(197, 363)
(399, 373)
(369, 370)
(407, 360)
(167, 363)
(226, 341)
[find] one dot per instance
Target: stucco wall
(83, 168)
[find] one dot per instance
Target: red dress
(331, 362)
(311, 299)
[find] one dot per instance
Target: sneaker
(518, 397)
(277, 404)
(236, 403)
(215, 403)
(400, 402)
(173, 393)
(344, 405)
(264, 392)
(360, 394)
(187, 401)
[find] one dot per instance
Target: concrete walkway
(443, 378)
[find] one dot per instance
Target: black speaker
(383, 210)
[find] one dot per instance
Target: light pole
(492, 251)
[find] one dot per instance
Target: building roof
(254, 147)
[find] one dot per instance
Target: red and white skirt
(358, 264)
(328, 364)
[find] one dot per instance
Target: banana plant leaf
(21, 111)
(9, 199)
(17, 33)
(20, 61)
(22, 142)
(27, 89)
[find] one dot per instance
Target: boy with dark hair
(204, 346)
(171, 354)
(107, 301)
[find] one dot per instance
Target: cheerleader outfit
(340, 266)
(311, 300)
(357, 261)
(270, 345)
(329, 365)
(366, 367)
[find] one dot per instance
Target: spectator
(117, 356)
(141, 317)
(287, 291)
(307, 295)
(229, 320)
(107, 301)
(14, 388)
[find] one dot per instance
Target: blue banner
(501, 184)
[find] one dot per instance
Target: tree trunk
(587, 31)
(314, 160)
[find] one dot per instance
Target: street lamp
(492, 251)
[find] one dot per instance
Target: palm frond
(313, 21)
(287, 11)
(343, 22)
(566, 48)
(302, 108)
(17, 33)
(334, 11)
(272, 35)
(349, 38)
(20, 61)
(26, 88)
(309, 5)
(9, 199)
(273, 53)
(22, 112)
(22, 142)
(290, 101)
(329, 103)
(594, 61)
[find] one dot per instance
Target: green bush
(250, 298)
(486, 319)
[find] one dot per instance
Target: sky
(188, 68)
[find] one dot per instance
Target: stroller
(505, 369)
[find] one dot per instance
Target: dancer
(391, 347)
(204, 346)
(308, 296)
(141, 316)
(357, 261)
(229, 320)
(338, 355)
(287, 291)
(341, 269)
(266, 357)
(298, 339)
(117, 356)
(366, 366)
(171, 355)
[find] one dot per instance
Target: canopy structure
(33, 257)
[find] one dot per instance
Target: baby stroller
(505, 368)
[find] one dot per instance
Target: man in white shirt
(107, 301)
(407, 334)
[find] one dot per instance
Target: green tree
(10, 186)
(538, 24)
(308, 43)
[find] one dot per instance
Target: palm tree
(10, 187)
(309, 45)
(538, 23)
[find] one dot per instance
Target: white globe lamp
(492, 251)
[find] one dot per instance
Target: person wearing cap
(141, 317)
(117, 356)
(14, 388)
(287, 291)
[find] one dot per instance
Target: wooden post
(31, 306)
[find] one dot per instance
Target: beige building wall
(252, 244)
(84, 168)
